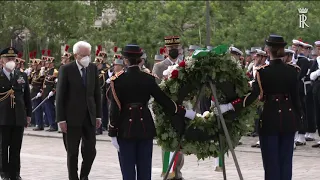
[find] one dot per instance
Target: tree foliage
(50, 24)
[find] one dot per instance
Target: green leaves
(219, 68)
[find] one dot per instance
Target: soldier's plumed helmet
(9, 52)
(276, 41)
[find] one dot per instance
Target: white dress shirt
(7, 73)
(79, 67)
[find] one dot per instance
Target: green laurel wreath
(216, 65)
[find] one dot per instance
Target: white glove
(212, 103)
(110, 73)
(114, 142)
(250, 82)
(315, 74)
(50, 94)
(224, 108)
(108, 81)
(56, 80)
(318, 61)
(39, 95)
(190, 114)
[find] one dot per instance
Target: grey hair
(79, 44)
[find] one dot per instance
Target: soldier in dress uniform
(288, 57)
(49, 86)
(305, 85)
(281, 115)
(315, 78)
(172, 53)
(38, 76)
(99, 61)
(235, 55)
(172, 44)
(259, 61)
(66, 57)
(131, 125)
(15, 114)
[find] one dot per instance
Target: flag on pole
(167, 157)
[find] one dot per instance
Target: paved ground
(44, 158)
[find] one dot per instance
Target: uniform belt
(277, 97)
(135, 105)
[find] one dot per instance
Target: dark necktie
(11, 78)
(84, 76)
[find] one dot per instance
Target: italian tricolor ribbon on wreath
(167, 157)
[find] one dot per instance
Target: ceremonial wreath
(201, 137)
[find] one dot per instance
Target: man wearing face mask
(172, 44)
(172, 51)
(78, 109)
(15, 114)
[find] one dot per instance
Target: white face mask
(85, 61)
(10, 65)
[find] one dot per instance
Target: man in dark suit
(78, 109)
(15, 113)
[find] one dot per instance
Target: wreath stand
(221, 122)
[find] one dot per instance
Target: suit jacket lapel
(3, 75)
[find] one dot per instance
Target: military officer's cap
(210, 47)
(235, 50)
(9, 52)
(306, 45)
(193, 47)
(317, 43)
(172, 40)
(118, 62)
(275, 41)
(289, 51)
(254, 49)
(261, 53)
(296, 42)
(132, 50)
(159, 57)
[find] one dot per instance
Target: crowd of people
(82, 99)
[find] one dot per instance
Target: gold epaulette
(294, 65)
(154, 75)
(114, 77)
(262, 66)
(102, 72)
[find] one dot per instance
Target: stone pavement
(44, 158)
